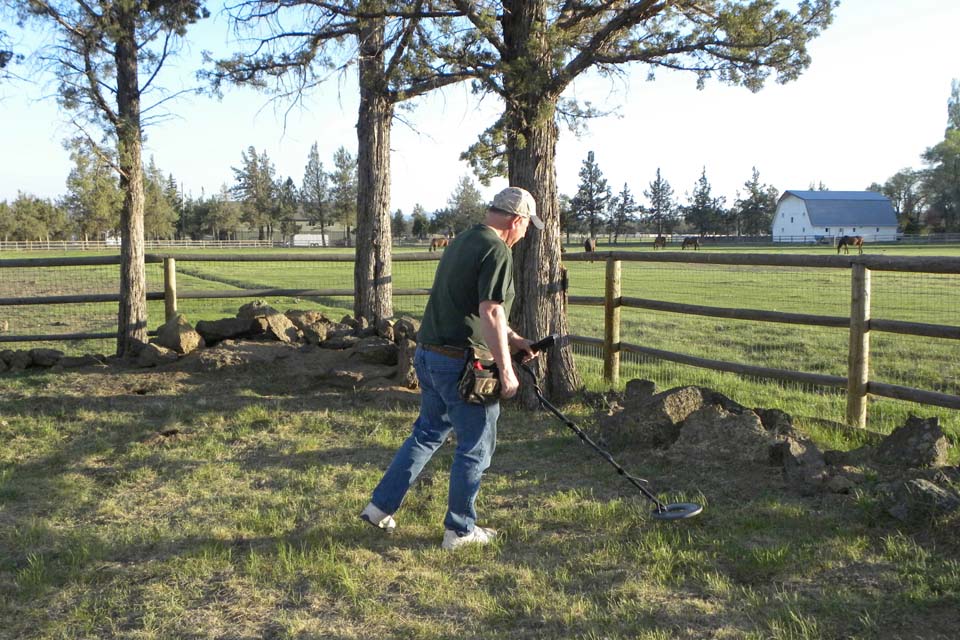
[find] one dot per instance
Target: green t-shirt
(475, 267)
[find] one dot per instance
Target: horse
(850, 241)
(438, 243)
(659, 242)
(590, 245)
(691, 242)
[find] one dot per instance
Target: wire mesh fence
(921, 362)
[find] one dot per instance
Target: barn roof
(847, 208)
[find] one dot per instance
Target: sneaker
(372, 515)
(479, 535)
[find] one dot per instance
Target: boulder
(654, 420)
(256, 308)
(45, 357)
(313, 325)
(3, 365)
(178, 335)
(385, 329)
(214, 331)
(803, 464)
(375, 350)
(19, 360)
(406, 374)
(6, 355)
(405, 327)
(276, 326)
(637, 392)
(153, 355)
(918, 443)
(775, 421)
(919, 499)
(715, 436)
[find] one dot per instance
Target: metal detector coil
(673, 511)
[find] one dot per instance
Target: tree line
(595, 210)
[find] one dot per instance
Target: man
(468, 307)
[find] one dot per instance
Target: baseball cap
(519, 202)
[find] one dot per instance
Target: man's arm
(497, 335)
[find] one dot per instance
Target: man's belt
(451, 352)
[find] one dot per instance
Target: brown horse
(691, 242)
(438, 243)
(850, 241)
(659, 242)
(590, 245)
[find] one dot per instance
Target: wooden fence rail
(859, 323)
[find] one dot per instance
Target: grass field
(925, 363)
(241, 521)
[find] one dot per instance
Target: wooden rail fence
(860, 323)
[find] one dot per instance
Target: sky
(873, 99)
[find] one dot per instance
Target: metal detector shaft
(585, 438)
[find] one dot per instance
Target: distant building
(822, 216)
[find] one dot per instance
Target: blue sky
(872, 100)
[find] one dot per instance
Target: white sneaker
(372, 515)
(479, 535)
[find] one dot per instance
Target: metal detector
(673, 511)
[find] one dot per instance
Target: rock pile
(385, 350)
(905, 471)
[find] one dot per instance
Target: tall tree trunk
(538, 275)
(372, 277)
(132, 316)
(530, 118)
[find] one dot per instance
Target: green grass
(243, 525)
(924, 363)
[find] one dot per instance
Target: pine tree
(660, 213)
(623, 212)
(314, 193)
(756, 207)
(255, 189)
(343, 190)
(704, 212)
(593, 196)
(398, 224)
(465, 207)
(419, 222)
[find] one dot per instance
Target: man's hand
(520, 345)
(509, 383)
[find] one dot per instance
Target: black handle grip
(546, 343)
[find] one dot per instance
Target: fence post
(169, 288)
(858, 360)
(611, 324)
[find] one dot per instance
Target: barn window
(791, 219)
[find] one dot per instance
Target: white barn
(808, 216)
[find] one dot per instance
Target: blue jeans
(442, 409)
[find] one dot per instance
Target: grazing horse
(691, 242)
(590, 245)
(659, 242)
(438, 243)
(850, 241)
